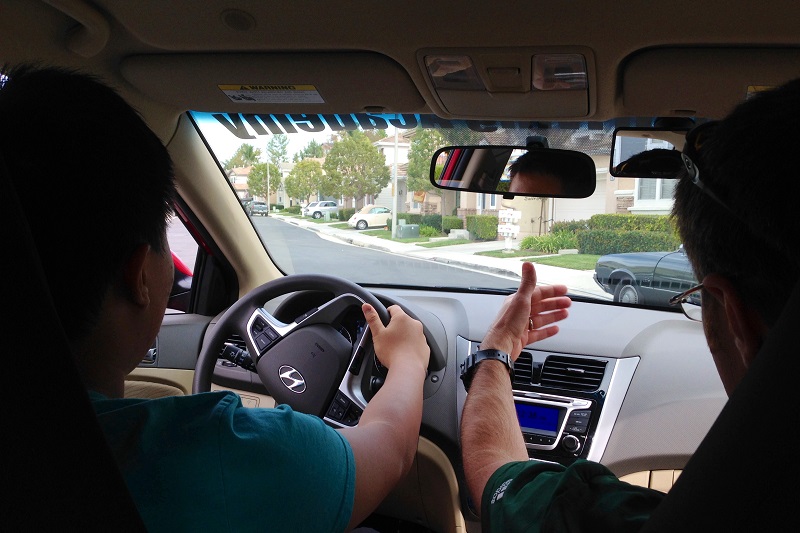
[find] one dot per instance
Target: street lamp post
(394, 189)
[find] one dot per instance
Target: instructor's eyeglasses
(690, 302)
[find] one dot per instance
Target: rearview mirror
(647, 152)
(514, 171)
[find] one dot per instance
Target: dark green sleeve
(538, 496)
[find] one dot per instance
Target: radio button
(576, 429)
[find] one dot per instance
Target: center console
(566, 403)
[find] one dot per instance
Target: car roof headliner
(169, 57)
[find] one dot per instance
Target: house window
(655, 189)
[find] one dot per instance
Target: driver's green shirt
(585, 496)
(206, 463)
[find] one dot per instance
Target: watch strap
(472, 360)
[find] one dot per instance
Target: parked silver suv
(318, 209)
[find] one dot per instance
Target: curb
(376, 246)
(476, 266)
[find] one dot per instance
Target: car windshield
(318, 171)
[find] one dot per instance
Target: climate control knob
(571, 443)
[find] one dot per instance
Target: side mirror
(647, 152)
(181, 285)
(514, 171)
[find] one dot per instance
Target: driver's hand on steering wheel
(402, 340)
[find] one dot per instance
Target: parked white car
(305, 209)
(370, 215)
(318, 209)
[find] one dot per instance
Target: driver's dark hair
(94, 180)
(750, 162)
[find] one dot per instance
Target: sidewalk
(461, 255)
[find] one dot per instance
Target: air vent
(523, 369)
(572, 373)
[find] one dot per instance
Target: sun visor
(277, 83)
(683, 73)
(510, 83)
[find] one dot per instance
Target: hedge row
(442, 224)
(620, 222)
(604, 241)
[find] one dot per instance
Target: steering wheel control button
(344, 411)
(263, 334)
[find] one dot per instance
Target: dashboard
(632, 388)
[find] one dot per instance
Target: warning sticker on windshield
(272, 94)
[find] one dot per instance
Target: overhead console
(566, 403)
(511, 83)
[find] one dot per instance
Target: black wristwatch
(472, 360)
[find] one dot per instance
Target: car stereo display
(537, 419)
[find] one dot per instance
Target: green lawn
(448, 242)
(573, 261)
(387, 234)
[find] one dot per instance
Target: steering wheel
(308, 363)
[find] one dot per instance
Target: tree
(372, 135)
(375, 135)
(312, 149)
(304, 180)
(245, 156)
(354, 168)
(424, 144)
(277, 149)
(257, 179)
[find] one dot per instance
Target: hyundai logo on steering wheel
(292, 379)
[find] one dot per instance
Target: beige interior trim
(649, 75)
(171, 377)
(429, 494)
(661, 480)
(150, 390)
(162, 77)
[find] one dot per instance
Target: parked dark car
(645, 278)
(258, 209)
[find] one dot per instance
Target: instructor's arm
(490, 434)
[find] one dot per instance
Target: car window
(606, 247)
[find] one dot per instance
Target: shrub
(434, 221)
(449, 223)
(484, 227)
(292, 210)
(551, 243)
(429, 231)
(571, 227)
(346, 212)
